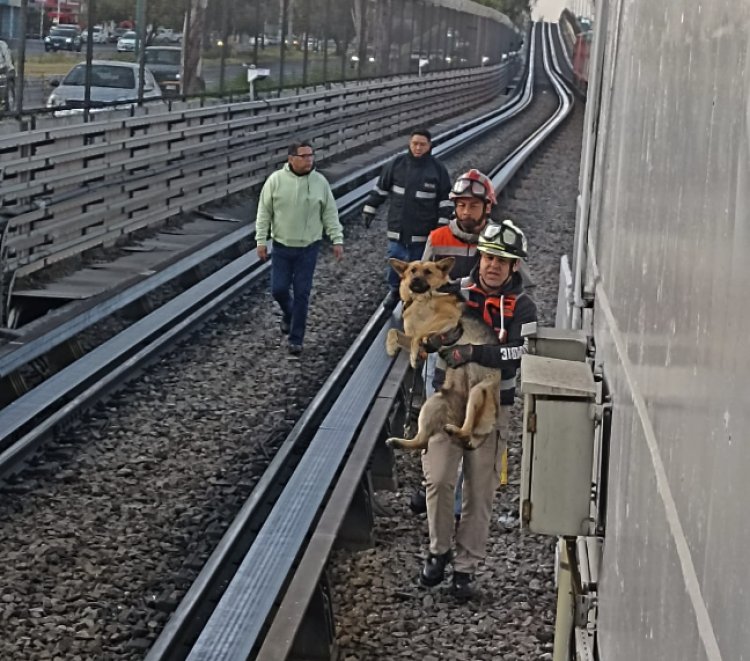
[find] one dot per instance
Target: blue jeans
(293, 267)
(410, 253)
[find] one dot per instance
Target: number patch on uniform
(511, 353)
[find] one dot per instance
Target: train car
(658, 286)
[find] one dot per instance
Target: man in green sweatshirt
(296, 206)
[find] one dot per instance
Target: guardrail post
(383, 462)
(63, 355)
(11, 388)
(355, 532)
(316, 636)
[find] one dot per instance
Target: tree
(167, 13)
(515, 10)
(332, 19)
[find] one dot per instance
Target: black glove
(436, 341)
(432, 343)
(368, 217)
(458, 355)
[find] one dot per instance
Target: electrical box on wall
(563, 343)
(558, 445)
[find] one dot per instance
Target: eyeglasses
(472, 186)
(310, 155)
(507, 235)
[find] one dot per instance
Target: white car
(7, 78)
(99, 35)
(113, 83)
(167, 36)
(126, 43)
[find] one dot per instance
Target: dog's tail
(480, 414)
(406, 444)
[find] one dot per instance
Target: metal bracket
(585, 603)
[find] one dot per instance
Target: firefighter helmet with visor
(503, 240)
(474, 184)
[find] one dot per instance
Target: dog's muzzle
(419, 286)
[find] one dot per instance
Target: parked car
(112, 83)
(115, 35)
(164, 62)
(7, 78)
(126, 43)
(167, 36)
(100, 35)
(63, 37)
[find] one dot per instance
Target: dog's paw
(414, 359)
(391, 342)
(455, 431)
(392, 442)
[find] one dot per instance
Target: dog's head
(421, 277)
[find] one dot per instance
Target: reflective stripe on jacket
(418, 191)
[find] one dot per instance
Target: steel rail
(26, 421)
(240, 605)
(175, 640)
(516, 160)
(12, 360)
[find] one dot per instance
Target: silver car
(112, 83)
(7, 78)
(126, 43)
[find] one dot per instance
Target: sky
(549, 9)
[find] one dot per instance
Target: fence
(305, 42)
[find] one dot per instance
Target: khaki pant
(481, 475)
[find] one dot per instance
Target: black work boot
(433, 571)
(418, 502)
(463, 588)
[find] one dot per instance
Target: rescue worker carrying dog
(493, 291)
(417, 184)
(473, 196)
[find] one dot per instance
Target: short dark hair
(421, 131)
(292, 151)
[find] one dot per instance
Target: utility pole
(89, 57)
(192, 38)
(20, 74)
(140, 27)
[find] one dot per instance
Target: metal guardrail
(94, 374)
(13, 357)
(67, 186)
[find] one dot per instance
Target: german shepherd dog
(467, 404)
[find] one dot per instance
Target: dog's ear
(446, 264)
(399, 266)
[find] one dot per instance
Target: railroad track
(259, 338)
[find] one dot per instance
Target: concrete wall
(669, 261)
